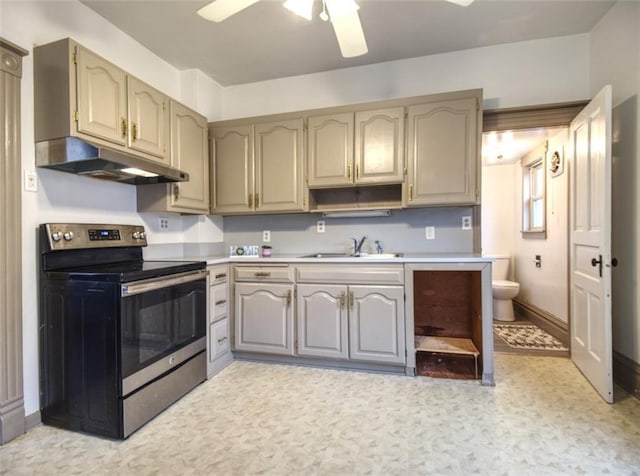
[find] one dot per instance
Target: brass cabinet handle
(351, 300)
(134, 131)
(221, 301)
(289, 298)
(343, 299)
(222, 339)
(221, 275)
(176, 191)
(123, 127)
(257, 200)
(357, 171)
(261, 274)
(250, 200)
(410, 192)
(349, 171)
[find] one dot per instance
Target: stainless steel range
(121, 338)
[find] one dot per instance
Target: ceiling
(266, 41)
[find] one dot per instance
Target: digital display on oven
(99, 235)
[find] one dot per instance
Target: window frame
(534, 167)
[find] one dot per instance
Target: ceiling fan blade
(349, 34)
(462, 3)
(222, 9)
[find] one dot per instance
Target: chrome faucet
(379, 247)
(357, 245)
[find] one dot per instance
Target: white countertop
(297, 258)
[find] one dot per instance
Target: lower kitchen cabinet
(359, 322)
(322, 321)
(264, 318)
(376, 324)
(218, 329)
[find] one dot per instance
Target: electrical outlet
(30, 181)
(320, 226)
(466, 223)
(164, 224)
(430, 233)
(266, 236)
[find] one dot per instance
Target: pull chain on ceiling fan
(342, 13)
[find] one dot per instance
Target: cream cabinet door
(322, 321)
(232, 169)
(331, 150)
(279, 170)
(379, 146)
(102, 98)
(148, 119)
(264, 318)
(376, 324)
(443, 153)
(189, 153)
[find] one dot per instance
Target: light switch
(30, 181)
(430, 233)
(320, 226)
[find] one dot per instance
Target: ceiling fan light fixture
(340, 8)
(303, 8)
(350, 35)
(222, 9)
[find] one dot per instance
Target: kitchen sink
(348, 255)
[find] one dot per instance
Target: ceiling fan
(343, 15)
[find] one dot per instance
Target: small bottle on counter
(266, 251)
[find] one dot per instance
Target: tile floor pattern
(542, 418)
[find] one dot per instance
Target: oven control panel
(66, 236)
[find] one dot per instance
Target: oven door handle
(145, 286)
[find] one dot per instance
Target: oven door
(163, 324)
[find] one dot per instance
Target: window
(533, 192)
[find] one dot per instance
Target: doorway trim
(12, 412)
(531, 117)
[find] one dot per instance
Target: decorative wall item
(556, 163)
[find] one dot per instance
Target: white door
(590, 243)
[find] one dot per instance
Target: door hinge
(164, 105)
(76, 116)
(477, 105)
(74, 57)
(406, 115)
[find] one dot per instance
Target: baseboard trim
(543, 319)
(33, 420)
(626, 373)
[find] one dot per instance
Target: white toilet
(503, 290)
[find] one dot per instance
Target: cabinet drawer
(218, 274)
(218, 301)
(283, 274)
(358, 274)
(219, 342)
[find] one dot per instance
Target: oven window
(159, 322)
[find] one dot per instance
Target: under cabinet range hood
(76, 156)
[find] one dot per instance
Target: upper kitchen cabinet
(258, 167)
(361, 148)
(189, 153)
(80, 94)
(443, 142)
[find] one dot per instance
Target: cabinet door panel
(232, 163)
(322, 321)
(102, 98)
(379, 146)
(443, 152)
(148, 119)
(264, 318)
(189, 153)
(279, 172)
(376, 324)
(331, 150)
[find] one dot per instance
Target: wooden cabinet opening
(448, 323)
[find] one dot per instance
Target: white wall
(515, 74)
(615, 59)
(498, 209)
(62, 196)
(546, 287)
